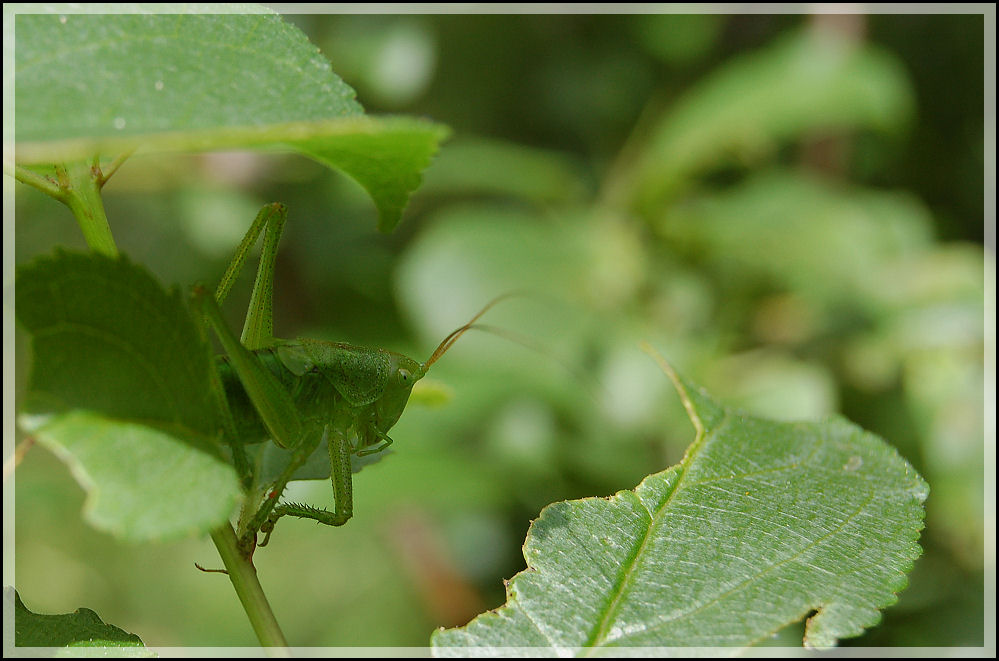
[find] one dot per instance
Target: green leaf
(120, 390)
(806, 81)
(110, 83)
(761, 524)
(143, 483)
(475, 165)
(847, 240)
(81, 628)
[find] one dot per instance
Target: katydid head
(374, 383)
(404, 372)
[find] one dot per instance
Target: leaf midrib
(757, 575)
(601, 636)
(600, 633)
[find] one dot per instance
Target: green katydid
(300, 393)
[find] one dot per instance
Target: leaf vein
(756, 576)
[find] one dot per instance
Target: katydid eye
(404, 375)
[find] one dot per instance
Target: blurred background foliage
(789, 207)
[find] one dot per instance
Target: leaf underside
(761, 524)
(119, 388)
(109, 84)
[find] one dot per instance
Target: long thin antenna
(583, 378)
(454, 335)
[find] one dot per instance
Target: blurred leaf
(945, 387)
(950, 274)
(476, 165)
(390, 59)
(806, 81)
(431, 393)
(830, 243)
(774, 385)
(678, 39)
(81, 628)
(120, 390)
(112, 83)
(761, 523)
(470, 254)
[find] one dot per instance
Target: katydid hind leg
(242, 250)
(258, 328)
(272, 401)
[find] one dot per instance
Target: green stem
(35, 180)
(244, 580)
(81, 183)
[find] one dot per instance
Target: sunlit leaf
(762, 524)
(111, 83)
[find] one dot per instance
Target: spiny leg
(264, 516)
(343, 487)
(343, 494)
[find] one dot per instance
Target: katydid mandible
(300, 393)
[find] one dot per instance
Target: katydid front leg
(385, 442)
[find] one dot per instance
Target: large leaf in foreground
(82, 628)
(761, 524)
(110, 83)
(119, 388)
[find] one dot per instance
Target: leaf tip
(696, 403)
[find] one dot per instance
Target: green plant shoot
(300, 393)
